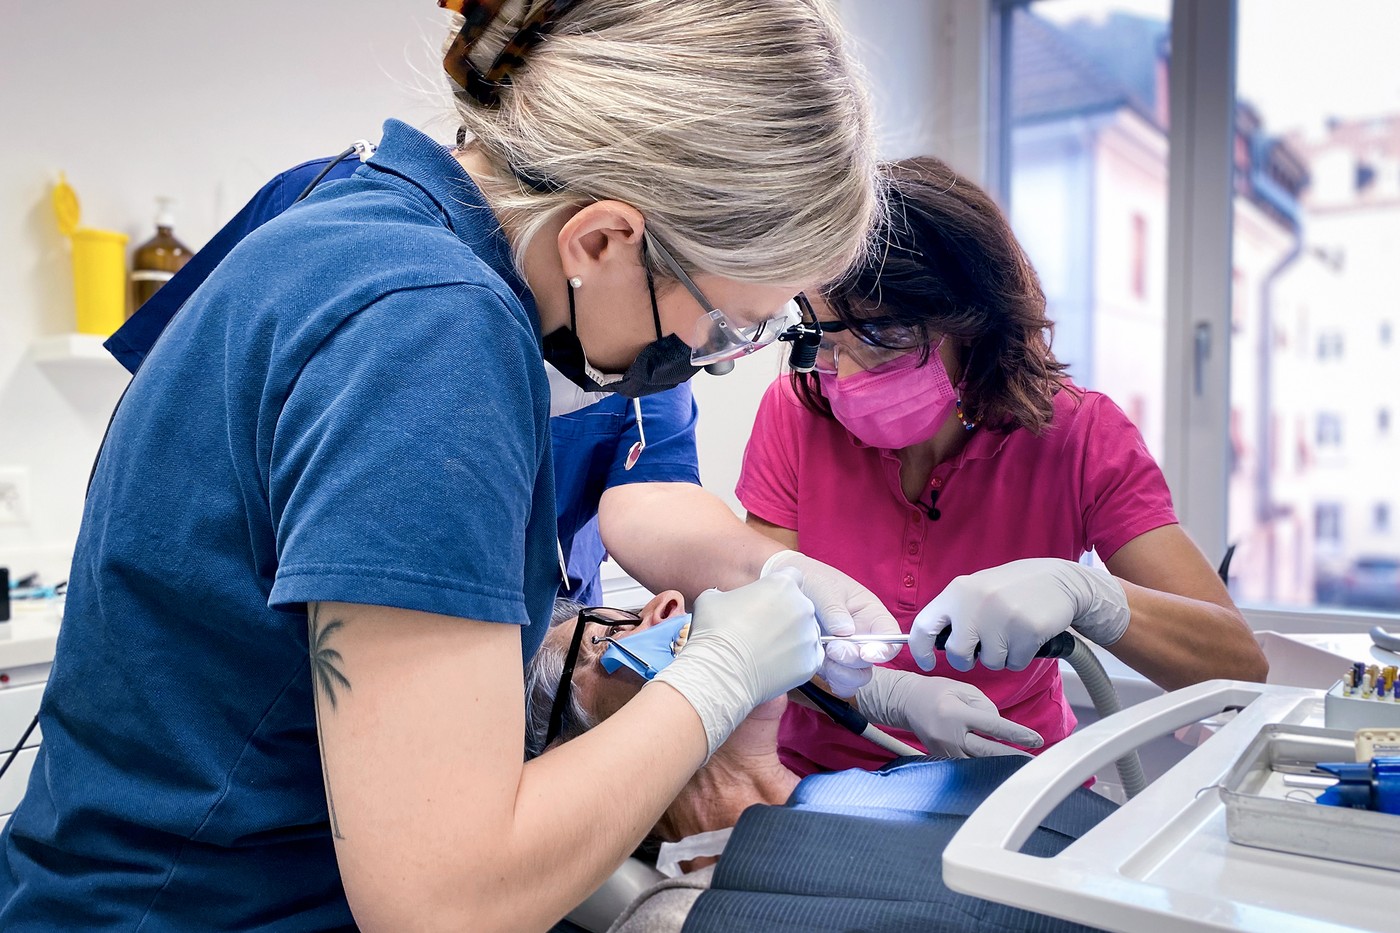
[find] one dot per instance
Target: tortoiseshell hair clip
(485, 87)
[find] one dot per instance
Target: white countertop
(31, 634)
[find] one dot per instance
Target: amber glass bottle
(157, 259)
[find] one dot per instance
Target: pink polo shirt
(1087, 484)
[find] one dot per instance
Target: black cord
(324, 172)
(14, 752)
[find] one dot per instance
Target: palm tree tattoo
(326, 664)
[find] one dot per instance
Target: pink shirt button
(913, 548)
(908, 579)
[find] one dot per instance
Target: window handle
(1201, 354)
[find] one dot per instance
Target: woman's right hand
(950, 717)
(746, 646)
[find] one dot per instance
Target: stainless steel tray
(1263, 811)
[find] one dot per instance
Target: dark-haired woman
(942, 456)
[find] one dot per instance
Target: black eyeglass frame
(618, 618)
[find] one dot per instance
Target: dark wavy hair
(948, 264)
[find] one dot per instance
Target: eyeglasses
(616, 620)
(877, 342)
(718, 337)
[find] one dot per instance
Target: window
(1329, 429)
(1327, 525)
(1365, 175)
(1380, 518)
(1247, 381)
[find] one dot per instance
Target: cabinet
(26, 655)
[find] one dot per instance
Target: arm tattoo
(325, 660)
(326, 664)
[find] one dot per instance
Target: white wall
(926, 60)
(926, 63)
(134, 99)
(204, 103)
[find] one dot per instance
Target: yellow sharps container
(99, 280)
(99, 267)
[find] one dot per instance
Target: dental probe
(1058, 647)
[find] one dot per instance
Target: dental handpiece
(1058, 647)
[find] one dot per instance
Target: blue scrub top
(590, 445)
(352, 408)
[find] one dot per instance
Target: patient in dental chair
(744, 771)
(897, 819)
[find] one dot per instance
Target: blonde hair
(740, 131)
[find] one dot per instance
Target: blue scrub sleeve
(405, 456)
(669, 420)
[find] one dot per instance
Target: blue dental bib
(652, 649)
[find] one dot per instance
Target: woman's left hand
(1011, 610)
(844, 607)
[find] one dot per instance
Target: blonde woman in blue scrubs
(320, 541)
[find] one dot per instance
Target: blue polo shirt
(590, 445)
(351, 408)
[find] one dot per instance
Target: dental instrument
(648, 651)
(1061, 646)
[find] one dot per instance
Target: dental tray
(1263, 811)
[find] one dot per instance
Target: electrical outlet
(14, 496)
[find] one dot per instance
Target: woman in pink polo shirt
(942, 457)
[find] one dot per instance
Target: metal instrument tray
(1261, 810)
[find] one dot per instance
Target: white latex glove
(946, 715)
(745, 647)
(844, 607)
(1013, 609)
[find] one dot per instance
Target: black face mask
(663, 364)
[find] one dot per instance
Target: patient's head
(595, 694)
(742, 772)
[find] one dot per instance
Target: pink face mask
(893, 405)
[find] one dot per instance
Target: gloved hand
(1013, 609)
(745, 647)
(946, 715)
(844, 607)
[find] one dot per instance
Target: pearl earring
(576, 282)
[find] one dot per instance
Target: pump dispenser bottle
(157, 259)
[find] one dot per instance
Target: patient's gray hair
(542, 675)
